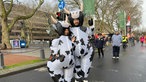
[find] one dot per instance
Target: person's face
(66, 32)
(76, 22)
(100, 36)
(117, 33)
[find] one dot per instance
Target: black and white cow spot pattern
(88, 70)
(77, 42)
(60, 42)
(92, 55)
(67, 52)
(78, 66)
(82, 41)
(65, 67)
(57, 77)
(82, 51)
(85, 53)
(81, 73)
(52, 72)
(71, 62)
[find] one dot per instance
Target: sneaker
(117, 57)
(85, 80)
(113, 57)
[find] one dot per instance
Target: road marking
(42, 69)
(92, 67)
(97, 81)
(114, 70)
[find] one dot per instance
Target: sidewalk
(11, 59)
(16, 56)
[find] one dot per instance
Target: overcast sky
(144, 13)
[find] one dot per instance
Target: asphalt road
(131, 67)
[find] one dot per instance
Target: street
(129, 68)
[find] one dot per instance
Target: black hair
(60, 29)
(99, 34)
(68, 30)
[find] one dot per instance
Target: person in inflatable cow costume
(83, 48)
(61, 61)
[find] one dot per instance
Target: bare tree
(6, 26)
(107, 12)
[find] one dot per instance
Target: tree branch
(9, 10)
(3, 10)
(25, 17)
(77, 3)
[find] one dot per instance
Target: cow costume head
(76, 18)
(61, 26)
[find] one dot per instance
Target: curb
(16, 70)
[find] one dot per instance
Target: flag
(89, 6)
(122, 19)
(128, 21)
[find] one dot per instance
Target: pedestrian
(99, 43)
(137, 38)
(61, 61)
(132, 40)
(83, 46)
(116, 42)
(110, 37)
(124, 41)
(142, 39)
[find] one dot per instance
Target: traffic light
(61, 16)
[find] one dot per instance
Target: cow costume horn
(81, 6)
(66, 11)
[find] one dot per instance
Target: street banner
(89, 7)
(122, 20)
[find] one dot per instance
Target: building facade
(34, 27)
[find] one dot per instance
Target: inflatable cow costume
(83, 48)
(61, 62)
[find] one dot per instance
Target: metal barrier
(39, 45)
(1, 60)
(42, 54)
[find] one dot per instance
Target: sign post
(61, 4)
